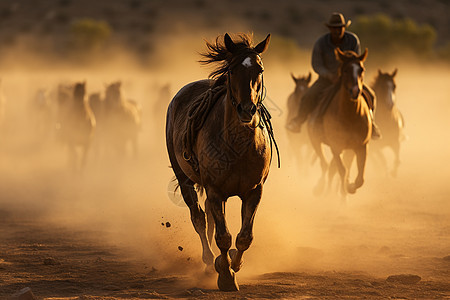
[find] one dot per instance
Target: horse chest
(346, 130)
(234, 161)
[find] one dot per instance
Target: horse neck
(381, 98)
(232, 125)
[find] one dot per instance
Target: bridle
(264, 114)
(259, 104)
(350, 89)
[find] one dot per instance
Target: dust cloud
(126, 200)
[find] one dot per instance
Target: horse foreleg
(332, 170)
(347, 158)
(198, 219)
(244, 238)
(343, 172)
(227, 277)
(361, 155)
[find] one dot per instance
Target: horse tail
(197, 187)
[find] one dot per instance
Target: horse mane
(218, 53)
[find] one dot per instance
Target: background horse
(345, 122)
(388, 117)
(216, 138)
(297, 140)
(77, 122)
(122, 120)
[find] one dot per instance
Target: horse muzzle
(246, 113)
(355, 92)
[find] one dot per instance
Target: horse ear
(293, 77)
(364, 55)
(229, 44)
(339, 54)
(261, 47)
(379, 72)
(309, 78)
(394, 73)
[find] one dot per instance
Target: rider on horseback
(325, 63)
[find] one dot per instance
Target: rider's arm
(317, 62)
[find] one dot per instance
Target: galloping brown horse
(297, 140)
(219, 136)
(388, 116)
(346, 122)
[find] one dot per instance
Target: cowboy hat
(337, 20)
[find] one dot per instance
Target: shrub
(384, 36)
(89, 35)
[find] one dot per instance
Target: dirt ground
(60, 263)
(116, 231)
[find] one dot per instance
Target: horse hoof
(227, 281)
(236, 266)
(351, 188)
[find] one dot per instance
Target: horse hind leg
(198, 218)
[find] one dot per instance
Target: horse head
(351, 71)
(79, 90)
(114, 92)
(301, 84)
(385, 88)
(245, 79)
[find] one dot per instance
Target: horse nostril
(239, 108)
